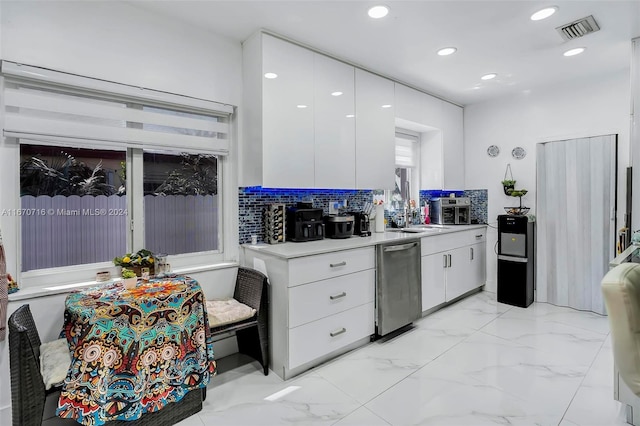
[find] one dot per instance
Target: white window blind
(48, 105)
(406, 150)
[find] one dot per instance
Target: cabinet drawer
(318, 338)
(445, 242)
(322, 266)
(320, 299)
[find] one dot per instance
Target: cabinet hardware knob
(444, 259)
(471, 248)
(449, 260)
(337, 332)
(479, 236)
(335, 265)
(338, 296)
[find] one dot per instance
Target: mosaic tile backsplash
(252, 201)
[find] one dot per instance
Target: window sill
(33, 292)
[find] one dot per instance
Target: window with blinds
(49, 108)
(107, 169)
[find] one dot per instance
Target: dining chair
(251, 289)
(621, 291)
(31, 403)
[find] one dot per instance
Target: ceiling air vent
(578, 28)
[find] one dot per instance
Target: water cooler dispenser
(516, 266)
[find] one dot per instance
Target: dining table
(134, 351)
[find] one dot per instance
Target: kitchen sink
(428, 227)
(409, 230)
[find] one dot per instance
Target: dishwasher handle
(400, 247)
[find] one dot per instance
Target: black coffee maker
(361, 225)
(304, 223)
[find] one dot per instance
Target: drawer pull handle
(479, 236)
(335, 265)
(338, 296)
(338, 332)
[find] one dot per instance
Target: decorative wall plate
(493, 151)
(518, 153)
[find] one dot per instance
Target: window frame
(228, 252)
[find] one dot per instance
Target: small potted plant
(508, 186)
(129, 278)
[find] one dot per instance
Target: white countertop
(290, 250)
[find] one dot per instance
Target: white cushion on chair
(55, 361)
(227, 311)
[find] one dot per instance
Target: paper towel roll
(380, 218)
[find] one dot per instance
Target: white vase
(130, 283)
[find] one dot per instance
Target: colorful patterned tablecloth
(134, 351)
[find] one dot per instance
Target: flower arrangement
(142, 258)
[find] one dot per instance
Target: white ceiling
(491, 36)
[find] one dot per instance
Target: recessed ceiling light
(447, 51)
(573, 52)
(301, 106)
(271, 75)
(350, 115)
(489, 76)
(544, 13)
(386, 106)
(377, 12)
(336, 93)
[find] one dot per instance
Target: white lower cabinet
(311, 341)
(433, 270)
(452, 265)
(321, 305)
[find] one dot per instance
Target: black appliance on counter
(516, 265)
(361, 225)
(304, 223)
(338, 226)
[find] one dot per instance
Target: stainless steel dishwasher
(398, 285)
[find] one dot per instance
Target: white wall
(116, 42)
(554, 113)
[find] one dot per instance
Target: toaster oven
(451, 211)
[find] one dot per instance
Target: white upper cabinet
(335, 128)
(417, 109)
(287, 115)
(299, 117)
(375, 132)
(452, 146)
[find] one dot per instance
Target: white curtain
(576, 190)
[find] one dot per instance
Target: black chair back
(27, 387)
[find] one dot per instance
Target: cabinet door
(478, 270)
(452, 146)
(458, 273)
(416, 107)
(335, 128)
(433, 272)
(287, 112)
(375, 132)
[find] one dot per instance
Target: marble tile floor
(477, 362)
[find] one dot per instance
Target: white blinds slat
(88, 107)
(405, 152)
(18, 125)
